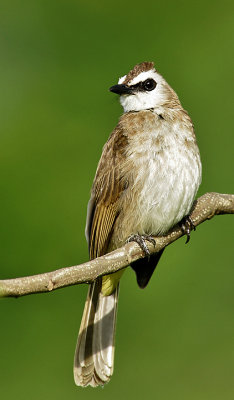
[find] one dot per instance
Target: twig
(204, 208)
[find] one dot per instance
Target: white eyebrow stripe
(142, 77)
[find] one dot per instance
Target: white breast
(164, 178)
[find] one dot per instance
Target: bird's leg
(141, 240)
(186, 225)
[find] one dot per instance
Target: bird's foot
(186, 225)
(141, 241)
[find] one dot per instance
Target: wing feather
(107, 188)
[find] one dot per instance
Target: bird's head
(144, 88)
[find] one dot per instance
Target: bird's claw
(141, 241)
(187, 226)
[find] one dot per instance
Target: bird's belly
(161, 192)
(162, 204)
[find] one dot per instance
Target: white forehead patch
(122, 79)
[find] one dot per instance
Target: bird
(146, 182)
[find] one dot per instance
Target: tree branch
(204, 208)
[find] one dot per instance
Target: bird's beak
(121, 89)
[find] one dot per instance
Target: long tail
(94, 355)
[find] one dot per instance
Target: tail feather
(144, 268)
(94, 356)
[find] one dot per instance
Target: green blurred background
(175, 340)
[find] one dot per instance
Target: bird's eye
(149, 85)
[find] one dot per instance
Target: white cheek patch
(144, 100)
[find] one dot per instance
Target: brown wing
(107, 188)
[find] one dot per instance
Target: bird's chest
(163, 175)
